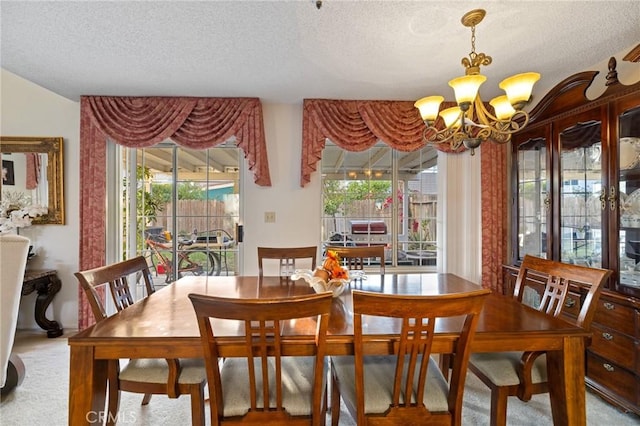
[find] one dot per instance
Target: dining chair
(171, 377)
(524, 374)
(406, 387)
(14, 250)
(357, 257)
(287, 256)
(261, 385)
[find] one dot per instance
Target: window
(185, 210)
(381, 196)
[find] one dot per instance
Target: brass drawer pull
(609, 306)
(569, 303)
(608, 367)
(607, 336)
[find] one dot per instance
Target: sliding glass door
(180, 208)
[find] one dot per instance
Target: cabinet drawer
(614, 346)
(616, 316)
(617, 379)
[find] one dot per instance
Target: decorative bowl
(319, 284)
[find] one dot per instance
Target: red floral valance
(358, 125)
(197, 123)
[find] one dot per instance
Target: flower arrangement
(16, 211)
(331, 276)
(333, 267)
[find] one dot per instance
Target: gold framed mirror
(40, 177)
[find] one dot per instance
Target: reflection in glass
(532, 198)
(629, 202)
(581, 188)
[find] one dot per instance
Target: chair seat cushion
(500, 367)
(157, 371)
(297, 385)
(379, 373)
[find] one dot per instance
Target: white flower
(36, 210)
(16, 211)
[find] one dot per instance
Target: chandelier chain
(473, 42)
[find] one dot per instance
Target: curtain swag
(358, 125)
(138, 122)
(196, 123)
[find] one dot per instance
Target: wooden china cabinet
(576, 198)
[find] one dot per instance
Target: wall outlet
(269, 217)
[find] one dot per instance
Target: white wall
(29, 110)
(297, 209)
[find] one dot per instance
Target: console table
(47, 284)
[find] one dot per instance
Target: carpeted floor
(42, 399)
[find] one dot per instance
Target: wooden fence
(198, 215)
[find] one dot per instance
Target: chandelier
(470, 122)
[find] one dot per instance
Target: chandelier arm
(458, 139)
(446, 134)
(500, 126)
(484, 133)
(500, 138)
(431, 134)
(483, 113)
(514, 124)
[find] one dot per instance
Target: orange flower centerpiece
(331, 276)
(331, 268)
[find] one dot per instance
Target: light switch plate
(269, 217)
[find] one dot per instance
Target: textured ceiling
(285, 51)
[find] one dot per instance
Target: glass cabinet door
(533, 198)
(581, 192)
(629, 197)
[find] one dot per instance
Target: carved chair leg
(197, 406)
(146, 399)
(445, 365)
(114, 392)
(499, 398)
(335, 401)
(325, 400)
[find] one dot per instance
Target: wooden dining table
(163, 325)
